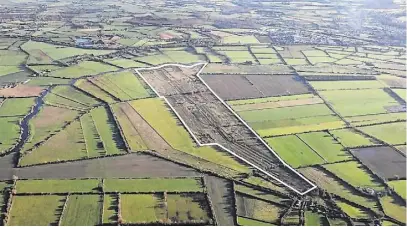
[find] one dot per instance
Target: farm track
(205, 116)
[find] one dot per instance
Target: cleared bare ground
(21, 91)
(132, 165)
(232, 87)
(384, 161)
(211, 122)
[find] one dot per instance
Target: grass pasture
(94, 144)
(325, 146)
(355, 174)
(12, 58)
(325, 181)
(393, 208)
(9, 131)
(73, 94)
(154, 185)
(238, 56)
(314, 219)
(56, 100)
(83, 210)
(188, 208)
(85, 68)
(94, 90)
(108, 131)
(59, 52)
(124, 114)
(242, 221)
(67, 144)
(9, 69)
(392, 133)
(399, 186)
(294, 151)
(350, 138)
(376, 118)
(123, 85)
(47, 122)
(352, 211)
(109, 209)
(35, 210)
(348, 102)
(57, 186)
(346, 85)
(16, 106)
(142, 208)
(258, 209)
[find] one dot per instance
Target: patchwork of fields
(209, 120)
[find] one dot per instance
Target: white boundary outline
(236, 115)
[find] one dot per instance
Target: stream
(25, 128)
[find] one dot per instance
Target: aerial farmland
(229, 113)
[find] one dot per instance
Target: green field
(348, 102)
(10, 131)
(59, 52)
(331, 185)
(376, 118)
(325, 146)
(85, 68)
(352, 211)
(154, 185)
(183, 57)
(355, 174)
(125, 63)
(314, 219)
(242, 221)
(124, 85)
(82, 210)
(109, 209)
(47, 81)
(57, 186)
(73, 94)
(351, 138)
(393, 208)
(130, 131)
(94, 145)
(346, 85)
(108, 131)
(58, 101)
(392, 133)
(185, 208)
(270, 99)
(399, 186)
(155, 112)
(16, 106)
(11, 57)
(94, 90)
(35, 210)
(258, 209)
(293, 151)
(67, 144)
(9, 69)
(259, 194)
(238, 56)
(142, 208)
(285, 113)
(47, 122)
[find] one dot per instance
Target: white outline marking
(236, 115)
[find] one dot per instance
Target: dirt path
(132, 165)
(221, 195)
